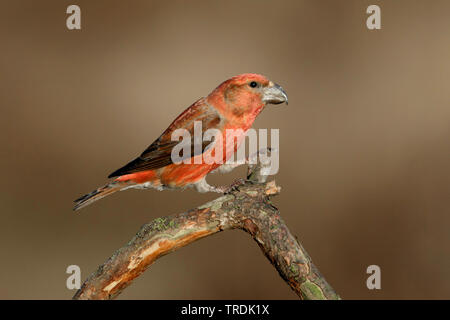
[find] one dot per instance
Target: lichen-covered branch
(248, 207)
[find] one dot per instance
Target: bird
(233, 105)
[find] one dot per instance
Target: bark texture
(247, 207)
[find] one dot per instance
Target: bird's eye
(253, 84)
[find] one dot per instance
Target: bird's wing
(159, 153)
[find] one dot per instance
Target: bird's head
(245, 95)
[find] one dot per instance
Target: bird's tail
(98, 194)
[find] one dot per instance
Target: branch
(248, 208)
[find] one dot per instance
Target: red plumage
(234, 104)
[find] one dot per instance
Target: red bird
(234, 104)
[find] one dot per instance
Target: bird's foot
(234, 186)
(228, 189)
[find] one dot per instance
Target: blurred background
(364, 155)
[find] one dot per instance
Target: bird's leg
(256, 173)
(202, 186)
(227, 167)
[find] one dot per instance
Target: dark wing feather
(159, 153)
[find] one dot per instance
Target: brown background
(365, 167)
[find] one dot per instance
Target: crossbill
(233, 105)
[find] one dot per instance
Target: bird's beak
(274, 94)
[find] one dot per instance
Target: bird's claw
(234, 186)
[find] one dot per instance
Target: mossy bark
(248, 207)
